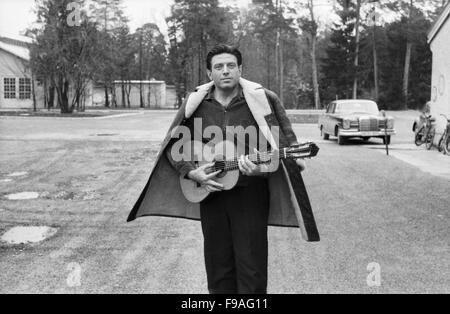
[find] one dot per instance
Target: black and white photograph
(221, 153)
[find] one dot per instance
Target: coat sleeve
(281, 116)
(182, 167)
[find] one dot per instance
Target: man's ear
(208, 72)
(240, 69)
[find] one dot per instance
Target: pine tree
(338, 65)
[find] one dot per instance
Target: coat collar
(210, 94)
(256, 99)
(205, 90)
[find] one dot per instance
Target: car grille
(368, 124)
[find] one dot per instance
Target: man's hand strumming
(199, 175)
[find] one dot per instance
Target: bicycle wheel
(418, 137)
(430, 138)
(447, 145)
(441, 145)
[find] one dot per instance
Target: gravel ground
(88, 173)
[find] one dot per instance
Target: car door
(329, 125)
(323, 118)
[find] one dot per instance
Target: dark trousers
(234, 225)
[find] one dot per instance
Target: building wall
(440, 82)
(154, 95)
(171, 97)
(14, 67)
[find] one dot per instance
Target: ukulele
(223, 155)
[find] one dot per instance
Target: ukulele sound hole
(220, 164)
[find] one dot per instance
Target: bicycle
(444, 142)
(425, 134)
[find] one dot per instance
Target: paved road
(370, 208)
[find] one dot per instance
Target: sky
(17, 15)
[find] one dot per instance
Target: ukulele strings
(264, 157)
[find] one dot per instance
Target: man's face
(225, 71)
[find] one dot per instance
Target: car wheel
(341, 139)
(324, 135)
(387, 140)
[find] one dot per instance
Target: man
(234, 222)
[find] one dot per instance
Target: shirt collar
(210, 94)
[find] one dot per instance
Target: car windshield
(357, 107)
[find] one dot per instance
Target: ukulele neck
(257, 159)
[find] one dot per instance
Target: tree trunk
(34, 93)
(269, 62)
(277, 61)
(313, 56)
(281, 72)
(123, 94)
(355, 80)
(63, 97)
(114, 96)
(51, 96)
(128, 89)
(314, 73)
(375, 66)
(407, 59)
(106, 96)
(141, 99)
(45, 94)
(406, 74)
(200, 61)
(78, 100)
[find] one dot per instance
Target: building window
(9, 88)
(24, 88)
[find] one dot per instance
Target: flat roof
(139, 82)
(352, 100)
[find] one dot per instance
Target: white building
(439, 40)
(155, 94)
(16, 86)
(15, 75)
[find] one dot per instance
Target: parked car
(360, 118)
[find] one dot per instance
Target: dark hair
(222, 48)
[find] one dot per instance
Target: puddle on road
(18, 174)
(70, 195)
(26, 235)
(23, 196)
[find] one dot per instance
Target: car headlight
(346, 124)
(390, 124)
